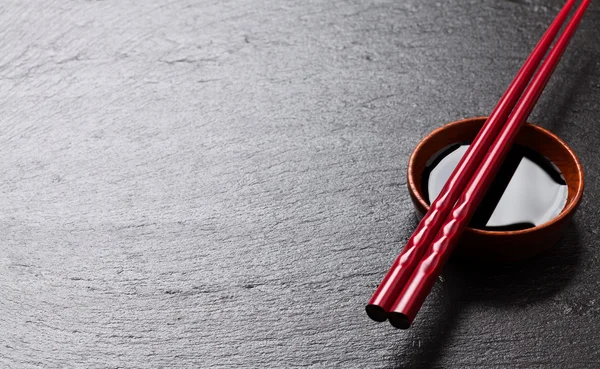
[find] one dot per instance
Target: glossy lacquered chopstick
(405, 264)
(412, 297)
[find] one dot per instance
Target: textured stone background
(215, 184)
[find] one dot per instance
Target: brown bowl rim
(571, 206)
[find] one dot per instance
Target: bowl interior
(534, 137)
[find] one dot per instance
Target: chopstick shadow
(560, 96)
(429, 337)
(465, 283)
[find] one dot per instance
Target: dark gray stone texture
(216, 184)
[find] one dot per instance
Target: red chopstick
(412, 297)
(406, 263)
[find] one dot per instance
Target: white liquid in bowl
(528, 190)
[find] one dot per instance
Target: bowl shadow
(465, 282)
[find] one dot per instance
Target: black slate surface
(216, 184)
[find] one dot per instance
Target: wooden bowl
(502, 246)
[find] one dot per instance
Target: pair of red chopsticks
(410, 279)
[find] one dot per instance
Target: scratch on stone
(77, 57)
(187, 60)
(363, 104)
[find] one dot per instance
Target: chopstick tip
(399, 320)
(376, 313)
